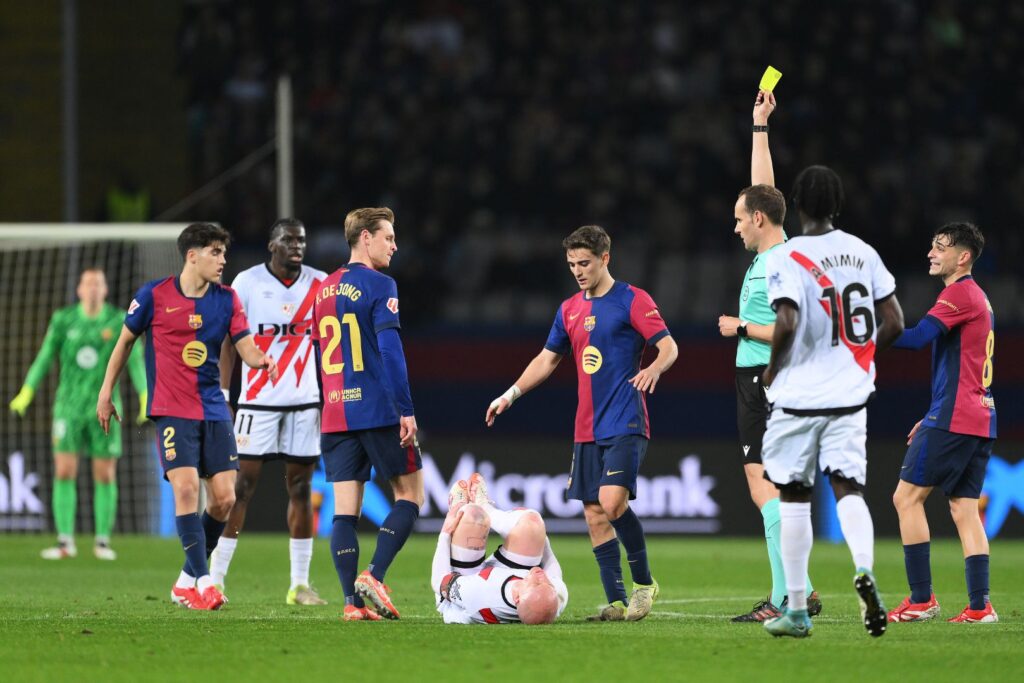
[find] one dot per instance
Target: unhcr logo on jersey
(592, 360)
(194, 354)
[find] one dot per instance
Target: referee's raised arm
(761, 171)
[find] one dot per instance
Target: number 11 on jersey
(330, 331)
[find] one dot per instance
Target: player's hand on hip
(727, 325)
(913, 431)
(454, 516)
(764, 105)
(646, 379)
(407, 430)
(497, 407)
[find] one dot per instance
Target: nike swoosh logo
(192, 546)
(609, 473)
(232, 458)
(573, 316)
(168, 309)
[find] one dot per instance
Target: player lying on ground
(521, 582)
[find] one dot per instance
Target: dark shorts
(207, 445)
(609, 462)
(751, 412)
(348, 456)
(954, 462)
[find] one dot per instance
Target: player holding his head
(759, 213)
(521, 582)
(368, 417)
(277, 419)
(186, 319)
(606, 327)
(82, 337)
(951, 445)
(835, 305)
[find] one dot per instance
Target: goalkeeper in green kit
(83, 337)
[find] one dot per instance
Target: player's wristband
(760, 129)
(510, 395)
(227, 394)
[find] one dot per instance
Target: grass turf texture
(88, 620)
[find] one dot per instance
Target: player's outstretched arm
(646, 379)
(118, 359)
(786, 317)
(890, 322)
(539, 369)
(761, 171)
(254, 358)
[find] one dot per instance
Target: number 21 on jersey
(330, 333)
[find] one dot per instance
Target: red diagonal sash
(289, 351)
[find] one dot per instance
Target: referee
(760, 212)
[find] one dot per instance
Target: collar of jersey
(177, 286)
(610, 290)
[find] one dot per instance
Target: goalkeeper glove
(143, 397)
(21, 401)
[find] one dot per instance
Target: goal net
(39, 272)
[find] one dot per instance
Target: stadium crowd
(496, 128)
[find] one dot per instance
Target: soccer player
(759, 213)
(950, 446)
(368, 417)
(187, 318)
(277, 419)
(521, 582)
(82, 336)
(835, 305)
(606, 327)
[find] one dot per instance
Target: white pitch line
(690, 615)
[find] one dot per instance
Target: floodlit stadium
(230, 386)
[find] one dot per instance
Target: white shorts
(269, 434)
(795, 446)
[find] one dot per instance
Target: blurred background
(493, 129)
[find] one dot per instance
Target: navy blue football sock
(345, 552)
(917, 559)
(631, 535)
(193, 541)
(609, 562)
(976, 569)
(213, 528)
(392, 536)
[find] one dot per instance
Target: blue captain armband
(919, 336)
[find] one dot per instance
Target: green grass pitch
(87, 620)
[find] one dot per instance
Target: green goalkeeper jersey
(83, 345)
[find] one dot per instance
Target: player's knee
(244, 488)
(475, 515)
(614, 504)
(531, 522)
(219, 506)
(187, 492)
(962, 510)
(299, 489)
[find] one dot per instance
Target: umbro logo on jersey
(168, 309)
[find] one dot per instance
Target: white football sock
(502, 521)
(204, 582)
(220, 560)
(796, 537)
(300, 550)
(858, 530)
(461, 554)
(184, 580)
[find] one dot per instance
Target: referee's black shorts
(751, 412)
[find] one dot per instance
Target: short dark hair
(368, 218)
(818, 193)
(591, 237)
(766, 199)
(281, 223)
(201, 235)
(965, 235)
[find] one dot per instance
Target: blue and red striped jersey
(962, 361)
(183, 341)
(352, 305)
(607, 336)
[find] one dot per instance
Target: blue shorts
(207, 445)
(348, 456)
(956, 462)
(609, 462)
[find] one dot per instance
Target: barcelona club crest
(589, 322)
(195, 321)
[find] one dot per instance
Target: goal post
(40, 265)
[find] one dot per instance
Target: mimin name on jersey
(842, 260)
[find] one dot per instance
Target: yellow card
(770, 79)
